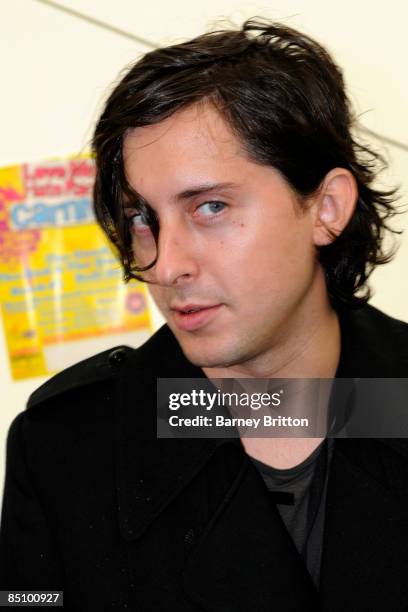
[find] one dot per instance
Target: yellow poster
(61, 290)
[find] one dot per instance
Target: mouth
(193, 316)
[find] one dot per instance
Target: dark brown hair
(285, 99)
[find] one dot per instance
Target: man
(229, 181)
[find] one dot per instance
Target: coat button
(117, 356)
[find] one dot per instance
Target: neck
(309, 347)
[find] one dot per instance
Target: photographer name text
(253, 422)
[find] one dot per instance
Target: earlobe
(335, 205)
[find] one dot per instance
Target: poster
(62, 294)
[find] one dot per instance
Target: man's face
(233, 241)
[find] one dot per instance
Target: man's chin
(209, 350)
(207, 358)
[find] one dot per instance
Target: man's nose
(176, 256)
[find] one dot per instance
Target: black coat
(97, 506)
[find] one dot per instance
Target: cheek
(288, 242)
(272, 259)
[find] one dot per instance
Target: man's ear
(334, 205)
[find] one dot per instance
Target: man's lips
(191, 306)
(190, 317)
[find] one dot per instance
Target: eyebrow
(202, 189)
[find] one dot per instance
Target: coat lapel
(246, 559)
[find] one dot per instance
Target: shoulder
(83, 401)
(80, 398)
(374, 344)
(89, 372)
(102, 370)
(387, 333)
(377, 322)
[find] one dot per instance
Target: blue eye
(212, 208)
(138, 221)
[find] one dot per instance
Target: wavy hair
(285, 99)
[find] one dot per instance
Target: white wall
(56, 70)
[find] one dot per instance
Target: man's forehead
(198, 130)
